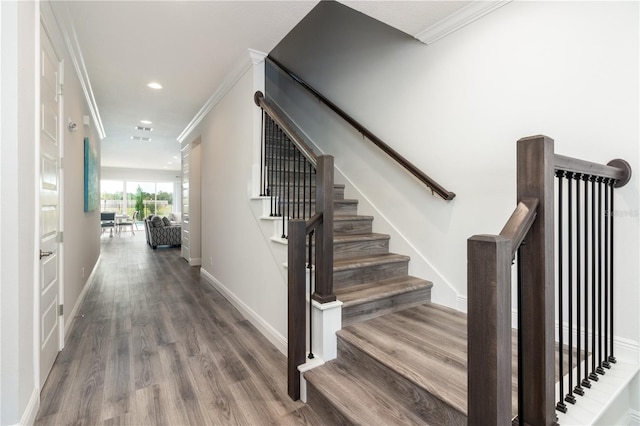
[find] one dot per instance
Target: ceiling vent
(144, 129)
(140, 138)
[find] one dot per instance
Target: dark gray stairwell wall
(362, 65)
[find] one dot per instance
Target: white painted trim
(241, 67)
(195, 261)
(83, 294)
(65, 24)
(31, 410)
(460, 18)
(278, 340)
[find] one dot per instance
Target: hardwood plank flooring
(154, 344)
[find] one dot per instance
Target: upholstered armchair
(160, 231)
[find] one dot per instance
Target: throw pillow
(166, 221)
(157, 222)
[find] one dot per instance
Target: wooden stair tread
(348, 393)
(364, 293)
(369, 260)
(348, 217)
(426, 344)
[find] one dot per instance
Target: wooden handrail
(520, 222)
(617, 169)
(411, 168)
(283, 123)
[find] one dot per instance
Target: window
(129, 197)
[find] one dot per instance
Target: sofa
(160, 231)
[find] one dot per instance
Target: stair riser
(352, 226)
(418, 400)
(368, 274)
(291, 209)
(346, 250)
(323, 407)
(357, 313)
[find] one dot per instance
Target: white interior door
(49, 212)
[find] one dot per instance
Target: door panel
(49, 206)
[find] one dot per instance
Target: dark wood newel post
(296, 305)
(535, 174)
(324, 232)
(489, 330)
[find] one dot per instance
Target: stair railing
(435, 187)
(585, 246)
(290, 173)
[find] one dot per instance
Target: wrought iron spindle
(578, 389)
(263, 150)
(560, 406)
(310, 266)
(612, 358)
(521, 419)
(599, 368)
(570, 398)
(594, 280)
(585, 381)
(605, 362)
(311, 197)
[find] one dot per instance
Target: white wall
(235, 255)
(456, 108)
(17, 204)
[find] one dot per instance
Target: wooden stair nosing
(368, 292)
(368, 260)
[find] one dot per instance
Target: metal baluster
(585, 381)
(612, 358)
(599, 369)
(578, 389)
(560, 406)
(299, 174)
(605, 362)
(311, 356)
(294, 169)
(304, 188)
(570, 398)
(263, 150)
(272, 171)
(521, 419)
(594, 281)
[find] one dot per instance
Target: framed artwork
(91, 189)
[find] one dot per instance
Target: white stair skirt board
(602, 394)
(307, 366)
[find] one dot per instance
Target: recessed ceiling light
(140, 138)
(169, 162)
(145, 121)
(144, 129)
(176, 158)
(154, 85)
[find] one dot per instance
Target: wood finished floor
(153, 344)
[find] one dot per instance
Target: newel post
(535, 174)
(296, 305)
(324, 232)
(489, 330)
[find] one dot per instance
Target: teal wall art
(91, 188)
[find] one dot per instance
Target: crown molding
(460, 18)
(254, 57)
(67, 30)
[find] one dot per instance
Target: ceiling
(189, 47)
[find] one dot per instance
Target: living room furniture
(161, 232)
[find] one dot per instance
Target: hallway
(154, 344)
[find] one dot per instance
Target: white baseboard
(277, 339)
(83, 293)
(30, 412)
(195, 261)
